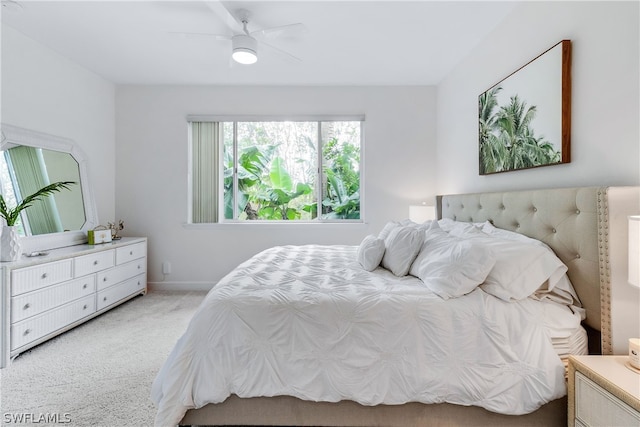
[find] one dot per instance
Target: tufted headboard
(574, 222)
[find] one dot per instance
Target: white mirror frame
(19, 136)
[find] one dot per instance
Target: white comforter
(308, 321)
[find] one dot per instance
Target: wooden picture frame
(524, 120)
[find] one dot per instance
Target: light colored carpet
(99, 373)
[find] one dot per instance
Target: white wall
(605, 143)
(45, 92)
(151, 181)
(605, 101)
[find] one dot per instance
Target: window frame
(319, 172)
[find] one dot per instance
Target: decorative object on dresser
(10, 247)
(98, 235)
(47, 295)
(9, 243)
(602, 392)
(634, 355)
(115, 229)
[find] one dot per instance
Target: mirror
(28, 161)
(24, 170)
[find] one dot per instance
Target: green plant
(12, 215)
(342, 185)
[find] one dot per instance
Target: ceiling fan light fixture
(245, 49)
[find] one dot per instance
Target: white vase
(9, 244)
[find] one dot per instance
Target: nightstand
(603, 392)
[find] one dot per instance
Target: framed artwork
(525, 119)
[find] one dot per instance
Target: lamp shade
(422, 213)
(634, 250)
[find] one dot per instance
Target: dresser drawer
(92, 263)
(597, 407)
(122, 290)
(32, 278)
(29, 330)
(32, 303)
(131, 252)
(122, 272)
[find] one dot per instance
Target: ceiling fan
(244, 43)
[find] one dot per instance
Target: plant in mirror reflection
(11, 215)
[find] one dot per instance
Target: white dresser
(603, 392)
(47, 295)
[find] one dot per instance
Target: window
(275, 170)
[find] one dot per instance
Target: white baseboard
(180, 286)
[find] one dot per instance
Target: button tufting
(535, 209)
(577, 211)
(553, 230)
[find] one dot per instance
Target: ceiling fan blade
(227, 17)
(273, 32)
(200, 35)
(281, 52)
(11, 6)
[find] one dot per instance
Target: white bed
(297, 325)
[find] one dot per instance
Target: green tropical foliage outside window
(507, 138)
(290, 170)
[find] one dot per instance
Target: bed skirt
(291, 411)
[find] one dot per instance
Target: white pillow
(370, 252)
(387, 229)
(561, 291)
(520, 269)
(494, 231)
(402, 245)
(405, 223)
(458, 228)
(451, 267)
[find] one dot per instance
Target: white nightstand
(603, 392)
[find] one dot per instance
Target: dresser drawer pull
(105, 279)
(84, 307)
(27, 332)
(104, 299)
(139, 267)
(95, 262)
(84, 286)
(130, 252)
(26, 306)
(44, 275)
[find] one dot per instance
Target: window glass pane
(276, 170)
(341, 170)
(8, 188)
(228, 160)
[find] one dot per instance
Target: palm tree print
(507, 139)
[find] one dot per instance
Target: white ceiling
(345, 42)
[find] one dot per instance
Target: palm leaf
(11, 215)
